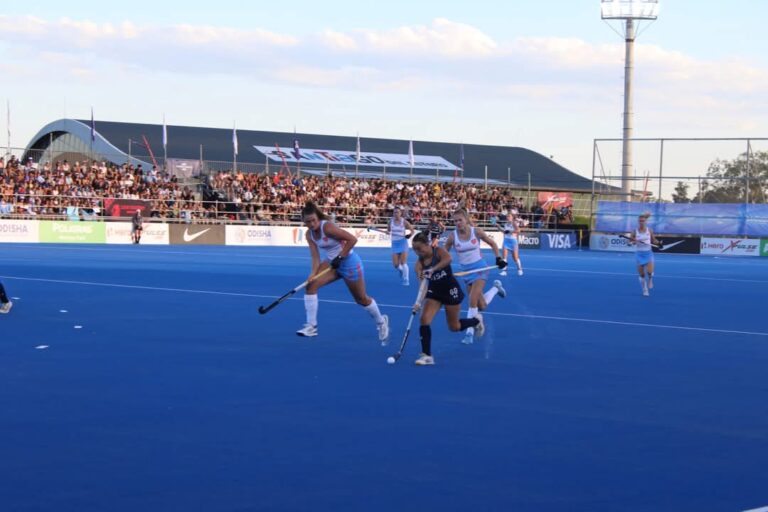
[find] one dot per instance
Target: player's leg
(649, 273)
(476, 303)
(404, 272)
(311, 302)
(456, 323)
(430, 309)
(504, 254)
(5, 302)
(352, 272)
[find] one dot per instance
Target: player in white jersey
(511, 229)
(643, 237)
(397, 232)
(465, 240)
(331, 246)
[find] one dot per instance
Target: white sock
(471, 314)
(649, 276)
(490, 294)
(519, 265)
(405, 272)
(400, 269)
(642, 282)
(311, 304)
(373, 310)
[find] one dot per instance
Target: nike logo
(188, 238)
(671, 245)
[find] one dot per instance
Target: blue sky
(543, 75)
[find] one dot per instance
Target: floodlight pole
(626, 153)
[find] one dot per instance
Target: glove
(506, 231)
(426, 273)
(501, 263)
(661, 244)
(408, 235)
(336, 262)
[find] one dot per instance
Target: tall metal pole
(661, 169)
(626, 153)
(509, 174)
(486, 176)
(8, 125)
(130, 142)
(746, 192)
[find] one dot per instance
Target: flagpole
(93, 133)
(357, 156)
(165, 145)
(234, 147)
(8, 125)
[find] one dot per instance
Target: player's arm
(408, 225)
(482, 235)
(654, 239)
(419, 268)
(347, 239)
(449, 242)
(444, 259)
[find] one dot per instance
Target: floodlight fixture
(628, 11)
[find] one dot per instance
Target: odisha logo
(604, 242)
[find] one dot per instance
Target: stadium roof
(111, 142)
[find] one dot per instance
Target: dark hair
(421, 238)
(310, 208)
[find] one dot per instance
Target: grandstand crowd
(53, 190)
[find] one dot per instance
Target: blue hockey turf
(175, 394)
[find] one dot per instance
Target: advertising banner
(153, 233)
(556, 200)
(196, 234)
(126, 207)
(764, 248)
(367, 159)
(65, 232)
(606, 242)
(730, 246)
(529, 241)
(559, 241)
(19, 231)
(679, 244)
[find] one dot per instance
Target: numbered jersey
(443, 286)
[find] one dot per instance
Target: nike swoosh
(188, 238)
(671, 245)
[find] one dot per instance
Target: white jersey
(510, 230)
(329, 247)
(643, 240)
(468, 251)
(397, 232)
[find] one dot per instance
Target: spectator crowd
(53, 190)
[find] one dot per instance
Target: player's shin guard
(425, 331)
(311, 305)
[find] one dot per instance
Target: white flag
(234, 139)
(165, 133)
(410, 154)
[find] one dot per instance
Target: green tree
(681, 193)
(727, 180)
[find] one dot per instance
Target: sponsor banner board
(556, 200)
(764, 247)
(66, 232)
(559, 241)
(19, 231)
(679, 245)
(152, 234)
(607, 242)
(367, 159)
(126, 207)
(196, 234)
(730, 246)
(529, 240)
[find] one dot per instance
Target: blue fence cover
(685, 218)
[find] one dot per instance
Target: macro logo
(298, 236)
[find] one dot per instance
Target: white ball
(391, 360)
